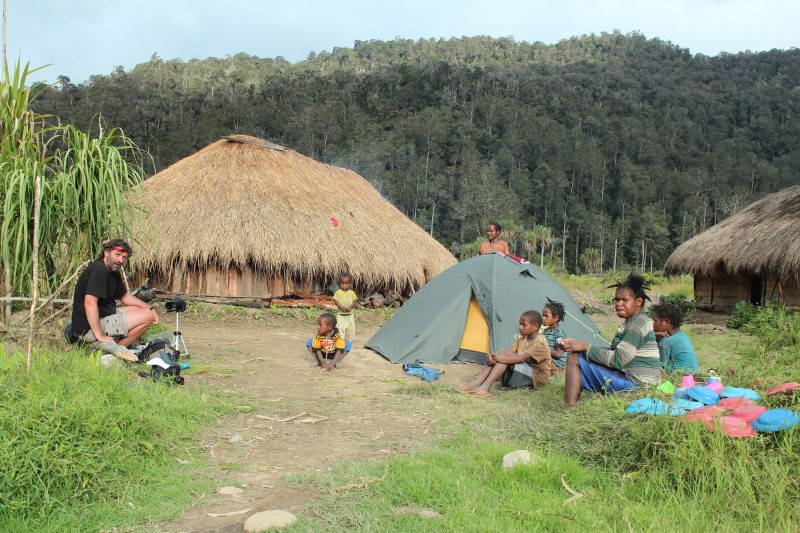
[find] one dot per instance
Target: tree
(541, 236)
(591, 260)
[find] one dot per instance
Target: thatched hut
(753, 255)
(244, 217)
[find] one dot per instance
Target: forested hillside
(623, 146)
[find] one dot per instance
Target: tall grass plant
(85, 178)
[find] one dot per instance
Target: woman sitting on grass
(631, 361)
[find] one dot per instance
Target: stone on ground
(229, 491)
(266, 520)
(517, 457)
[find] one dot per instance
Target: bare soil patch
(295, 418)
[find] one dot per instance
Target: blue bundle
(421, 371)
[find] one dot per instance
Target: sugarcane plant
(85, 178)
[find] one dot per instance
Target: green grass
(635, 472)
(674, 284)
(87, 448)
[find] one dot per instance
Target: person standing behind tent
(346, 299)
(677, 352)
(494, 244)
(552, 315)
(525, 364)
(632, 360)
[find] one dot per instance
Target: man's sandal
(116, 349)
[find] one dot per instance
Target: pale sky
(85, 37)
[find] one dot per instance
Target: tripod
(177, 305)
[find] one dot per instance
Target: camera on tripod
(177, 305)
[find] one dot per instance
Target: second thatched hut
(244, 217)
(751, 256)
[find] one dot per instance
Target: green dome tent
(473, 308)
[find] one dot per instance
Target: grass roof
(247, 202)
(763, 238)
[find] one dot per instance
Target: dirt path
(299, 419)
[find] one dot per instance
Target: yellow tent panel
(476, 332)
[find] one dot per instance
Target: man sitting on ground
(95, 315)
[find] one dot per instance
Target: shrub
(773, 324)
(678, 299)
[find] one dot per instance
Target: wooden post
(31, 325)
(9, 288)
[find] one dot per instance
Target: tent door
(475, 338)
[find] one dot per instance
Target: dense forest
(623, 146)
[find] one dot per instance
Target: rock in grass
(424, 512)
(266, 520)
(517, 457)
(235, 439)
(229, 491)
(108, 360)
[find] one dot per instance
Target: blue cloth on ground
(421, 371)
(681, 406)
(654, 406)
(733, 392)
(775, 420)
(648, 406)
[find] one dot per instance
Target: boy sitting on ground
(328, 347)
(525, 364)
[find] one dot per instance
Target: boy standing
(346, 300)
(327, 346)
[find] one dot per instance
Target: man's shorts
(115, 326)
(518, 375)
(599, 378)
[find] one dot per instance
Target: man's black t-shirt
(97, 281)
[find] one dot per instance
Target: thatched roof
(247, 202)
(763, 238)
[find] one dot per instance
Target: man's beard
(112, 266)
